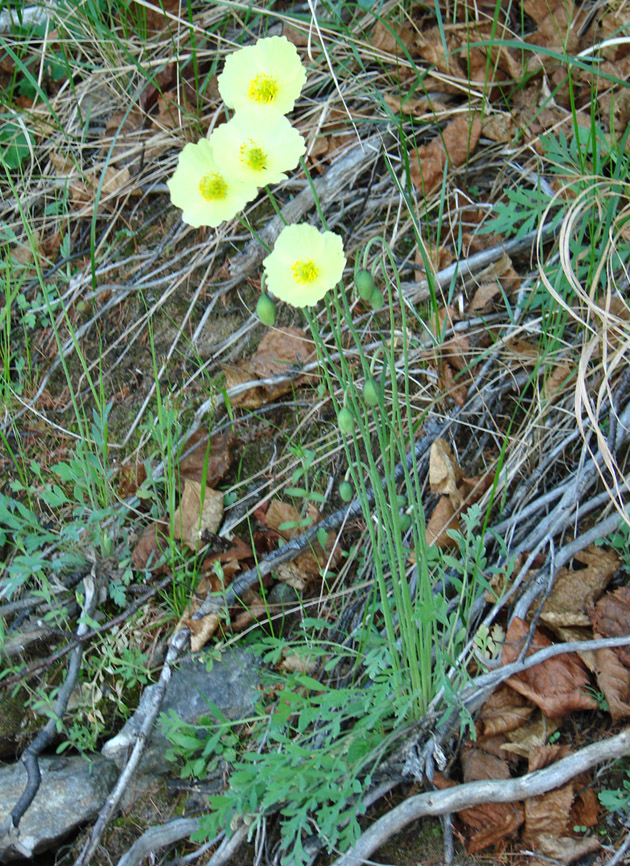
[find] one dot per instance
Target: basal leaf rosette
(304, 265)
(204, 191)
(257, 145)
(269, 74)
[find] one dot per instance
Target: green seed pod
(266, 310)
(346, 492)
(364, 281)
(404, 521)
(345, 421)
(370, 392)
(401, 501)
(377, 300)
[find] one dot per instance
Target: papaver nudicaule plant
(268, 73)
(257, 145)
(204, 191)
(304, 265)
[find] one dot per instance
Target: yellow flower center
(213, 187)
(305, 271)
(253, 157)
(263, 89)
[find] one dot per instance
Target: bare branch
(487, 791)
(177, 646)
(29, 757)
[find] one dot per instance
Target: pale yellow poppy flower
(304, 265)
(203, 190)
(257, 145)
(268, 73)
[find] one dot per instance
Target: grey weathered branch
(10, 825)
(177, 646)
(487, 791)
(158, 837)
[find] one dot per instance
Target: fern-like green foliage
(591, 168)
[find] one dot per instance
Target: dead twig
(159, 837)
(10, 825)
(490, 791)
(87, 635)
(177, 646)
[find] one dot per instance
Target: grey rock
(72, 792)
(231, 684)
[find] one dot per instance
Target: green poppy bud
(370, 392)
(346, 492)
(266, 310)
(377, 300)
(364, 281)
(345, 421)
(404, 521)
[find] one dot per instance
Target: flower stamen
(305, 271)
(263, 89)
(213, 187)
(253, 157)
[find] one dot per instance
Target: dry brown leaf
(557, 685)
(389, 38)
(306, 567)
(557, 29)
(444, 473)
(330, 148)
(254, 396)
(256, 608)
(153, 12)
(531, 735)
(483, 295)
(539, 9)
(457, 141)
(500, 126)
(613, 678)
(430, 47)
(611, 618)
(84, 185)
(491, 823)
(586, 809)
(295, 663)
(545, 755)
(215, 459)
(439, 257)
(237, 550)
(442, 519)
(126, 129)
(522, 350)
(559, 378)
(201, 630)
(416, 107)
(452, 385)
(561, 849)
(192, 518)
(496, 746)
(300, 38)
(279, 513)
(575, 590)
(504, 711)
(151, 545)
(281, 351)
(488, 823)
(549, 813)
(478, 764)
(455, 351)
